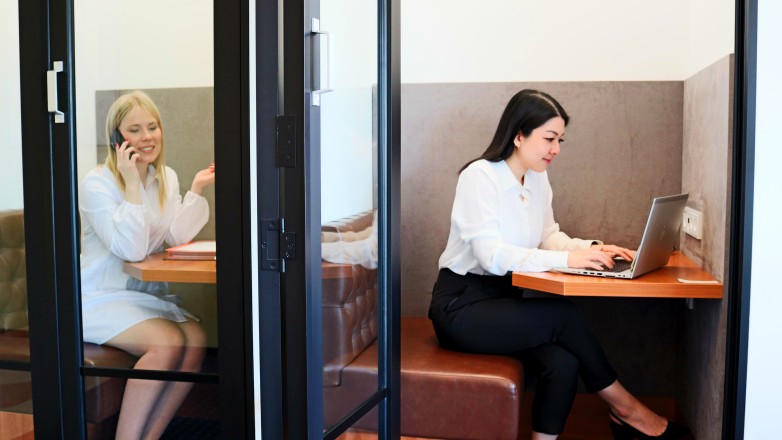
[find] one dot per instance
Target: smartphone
(117, 139)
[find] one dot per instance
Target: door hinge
(286, 141)
(277, 245)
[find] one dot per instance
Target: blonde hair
(117, 112)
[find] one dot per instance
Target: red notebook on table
(195, 250)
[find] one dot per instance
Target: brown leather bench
(103, 395)
(445, 394)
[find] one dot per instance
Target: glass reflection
(348, 145)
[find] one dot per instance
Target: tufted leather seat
(103, 395)
(349, 304)
(445, 394)
(13, 278)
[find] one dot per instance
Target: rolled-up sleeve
(190, 215)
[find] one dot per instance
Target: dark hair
(526, 111)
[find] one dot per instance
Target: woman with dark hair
(502, 221)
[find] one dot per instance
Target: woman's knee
(569, 314)
(169, 344)
(566, 307)
(194, 334)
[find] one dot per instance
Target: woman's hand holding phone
(126, 165)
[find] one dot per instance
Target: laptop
(660, 237)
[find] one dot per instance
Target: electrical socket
(692, 222)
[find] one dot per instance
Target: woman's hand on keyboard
(590, 259)
(615, 251)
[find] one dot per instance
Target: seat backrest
(13, 272)
(349, 303)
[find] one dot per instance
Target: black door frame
(741, 220)
(51, 223)
(49, 167)
(268, 97)
(232, 217)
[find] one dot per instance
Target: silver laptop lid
(661, 233)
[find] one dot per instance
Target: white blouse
(114, 231)
(499, 225)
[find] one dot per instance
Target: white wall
(566, 40)
(764, 382)
(711, 32)
(136, 45)
(11, 196)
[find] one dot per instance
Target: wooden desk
(156, 268)
(661, 283)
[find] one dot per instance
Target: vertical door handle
(51, 91)
(321, 89)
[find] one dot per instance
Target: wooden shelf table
(661, 283)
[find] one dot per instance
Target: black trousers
(486, 314)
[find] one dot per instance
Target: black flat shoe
(621, 432)
(624, 431)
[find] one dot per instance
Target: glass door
(133, 142)
(16, 395)
(346, 77)
(341, 293)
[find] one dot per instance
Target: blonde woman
(130, 206)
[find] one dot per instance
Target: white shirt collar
(508, 179)
(151, 174)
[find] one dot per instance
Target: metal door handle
(320, 89)
(51, 91)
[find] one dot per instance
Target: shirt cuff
(586, 244)
(190, 195)
(552, 259)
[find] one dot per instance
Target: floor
(588, 420)
(16, 426)
(198, 419)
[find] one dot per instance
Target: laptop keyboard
(620, 265)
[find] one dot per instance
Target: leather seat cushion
(445, 394)
(103, 394)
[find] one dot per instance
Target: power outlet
(692, 222)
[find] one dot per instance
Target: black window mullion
(234, 310)
(267, 101)
(389, 187)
